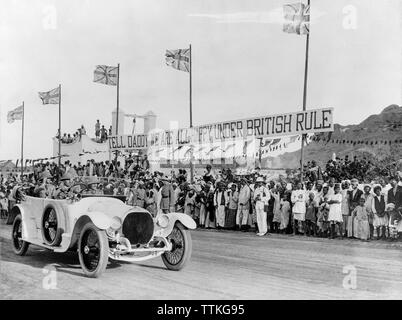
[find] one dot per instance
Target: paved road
(224, 265)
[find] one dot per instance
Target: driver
(66, 189)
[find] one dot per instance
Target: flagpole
(22, 140)
(191, 118)
(58, 171)
(117, 102)
(304, 97)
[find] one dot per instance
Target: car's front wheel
(93, 249)
(20, 246)
(182, 246)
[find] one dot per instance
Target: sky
(244, 65)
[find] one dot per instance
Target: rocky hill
(379, 136)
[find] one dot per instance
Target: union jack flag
(50, 97)
(15, 114)
(297, 18)
(106, 75)
(178, 59)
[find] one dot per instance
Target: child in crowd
(380, 219)
(335, 211)
(311, 215)
(361, 225)
(323, 209)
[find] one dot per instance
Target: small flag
(297, 18)
(15, 114)
(178, 59)
(106, 75)
(50, 97)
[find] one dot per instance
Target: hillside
(370, 138)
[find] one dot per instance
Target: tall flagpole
(304, 98)
(117, 102)
(58, 171)
(191, 118)
(117, 115)
(22, 139)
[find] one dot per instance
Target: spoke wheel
(20, 246)
(93, 250)
(50, 227)
(181, 248)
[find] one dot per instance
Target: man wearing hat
(139, 195)
(380, 217)
(368, 198)
(395, 193)
(208, 176)
(167, 196)
(220, 201)
(175, 196)
(131, 194)
(45, 188)
(299, 201)
(244, 205)
(189, 202)
(261, 198)
(354, 194)
(233, 196)
(63, 190)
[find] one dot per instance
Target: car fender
(15, 210)
(185, 220)
(99, 219)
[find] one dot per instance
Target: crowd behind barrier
(336, 201)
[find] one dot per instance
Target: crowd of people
(322, 204)
(364, 169)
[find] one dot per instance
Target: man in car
(45, 188)
(65, 189)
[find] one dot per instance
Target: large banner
(296, 123)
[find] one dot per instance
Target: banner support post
(191, 119)
(59, 162)
(304, 100)
(22, 139)
(117, 107)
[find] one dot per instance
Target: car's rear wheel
(93, 250)
(182, 246)
(20, 246)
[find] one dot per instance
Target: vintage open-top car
(101, 228)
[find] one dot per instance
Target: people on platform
(97, 130)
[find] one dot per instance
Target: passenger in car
(45, 188)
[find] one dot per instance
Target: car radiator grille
(138, 227)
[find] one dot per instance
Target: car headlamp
(162, 221)
(116, 223)
(111, 233)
